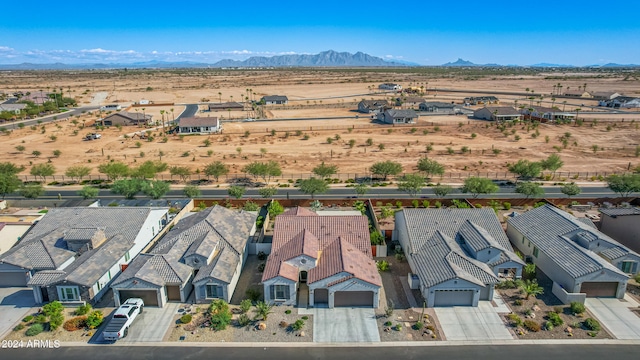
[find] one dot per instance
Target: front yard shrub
(305, 317)
(506, 205)
(83, 309)
(515, 319)
(558, 309)
(577, 308)
(388, 323)
(263, 310)
(253, 294)
(219, 314)
(388, 311)
(532, 325)
(415, 203)
(28, 318)
(55, 321)
(555, 319)
(18, 327)
(186, 318)
(41, 319)
(75, 323)
(398, 327)
(506, 284)
(548, 326)
(54, 307)
(245, 305)
(637, 278)
(418, 325)
(243, 320)
(95, 319)
(298, 325)
(382, 265)
(34, 330)
(592, 324)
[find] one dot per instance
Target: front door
(45, 294)
(303, 276)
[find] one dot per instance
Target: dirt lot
(323, 94)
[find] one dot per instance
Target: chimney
(97, 239)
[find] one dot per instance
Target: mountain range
(465, 63)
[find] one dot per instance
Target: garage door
(150, 297)
(321, 296)
(601, 289)
(454, 298)
(353, 298)
(11, 278)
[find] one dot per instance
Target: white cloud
(6, 48)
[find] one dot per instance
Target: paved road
(15, 303)
(49, 118)
(583, 351)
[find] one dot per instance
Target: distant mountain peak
(328, 58)
(460, 62)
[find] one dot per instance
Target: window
(214, 291)
(99, 285)
(629, 267)
(528, 243)
(68, 293)
(280, 292)
(535, 251)
(109, 274)
(127, 257)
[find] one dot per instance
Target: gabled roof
(340, 256)
(226, 105)
(438, 104)
(133, 116)
(199, 121)
(299, 211)
(615, 212)
(502, 110)
(476, 237)
(401, 113)
(304, 243)
(275, 98)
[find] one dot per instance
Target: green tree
(263, 170)
(42, 170)
(191, 191)
(20, 148)
(526, 169)
(624, 184)
(9, 183)
(361, 189)
(57, 153)
(148, 169)
(219, 314)
(127, 187)
(36, 153)
(275, 209)
(77, 171)
(552, 163)
(530, 287)
(442, 190)
(313, 186)
(478, 185)
(114, 170)
(216, 169)
(31, 191)
(10, 168)
(570, 189)
(155, 189)
(182, 171)
(268, 191)
(263, 310)
(386, 168)
(529, 189)
(236, 191)
(88, 192)
(430, 167)
(411, 184)
(325, 171)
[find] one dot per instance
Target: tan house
(497, 113)
(622, 224)
(125, 118)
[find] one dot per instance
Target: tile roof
(275, 98)
(341, 256)
(554, 232)
(226, 105)
(588, 222)
(401, 113)
(613, 212)
(46, 277)
(438, 104)
(502, 110)
(374, 103)
(199, 121)
(135, 116)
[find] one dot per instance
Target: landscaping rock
(535, 308)
(428, 332)
(569, 329)
(533, 315)
(262, 326)
(302, 334)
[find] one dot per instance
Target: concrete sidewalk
(615, 315)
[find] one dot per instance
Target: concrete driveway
(151, 325)
(472, 323)
(343, 324)
(15, 303)
(614, 314)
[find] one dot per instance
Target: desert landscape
(601, 142)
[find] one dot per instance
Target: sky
(423, 32)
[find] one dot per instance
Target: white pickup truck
(124, 316)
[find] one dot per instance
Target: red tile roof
(299, 211)
(340, 256)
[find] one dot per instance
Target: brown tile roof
(299, 211)
(341, 256)
(198, 121)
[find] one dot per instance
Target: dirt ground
(322, 94)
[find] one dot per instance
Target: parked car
(118, 326)
(93, 136)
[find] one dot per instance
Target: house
(199, 125)
(541, 113)
(409, 101)
(457, 254)
(622, 102)
(326, 259)
(14, 108)
(112, 107)
(578, 93)
(394, 116)
(373, 106)
(497, 113)
(274, 100)
(440, 107)
(581, 261)
(622, 224)
(481, 100)
(36, 97)
(390, 86)
(125, 118)
(204, 253)
(226, 106)
(605, 95)
(72, 254)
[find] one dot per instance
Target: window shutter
(203, 291)
(272, 292)
(287, 293)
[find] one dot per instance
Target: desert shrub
(532, 325)
(95, 319)
(548, 325)
(388, 323)
(28, 318)
(186, 318)
(298, 325)
(55, 321)
(388, 311)
(18, 327)
(506, 284)
(515, 319)
(83, 309)
(398, 327)
(305, 317)
(75, 323)
(245, 305)
(506, 205)
(577, 308)
(382, 265)
(54, 307)
(253, 294)
(592, 324)
(517, 302)
(288, 311)
(219, 314)
(243, 320)
(418, 325)
(35, 329)
(40, 319)
(555, 319)
(558, 309)
(415, 203)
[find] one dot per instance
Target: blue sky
(424, 32)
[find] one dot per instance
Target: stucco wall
(624, 229)
(566, 297)
(349, 285)
(293, 290)
(430, 293)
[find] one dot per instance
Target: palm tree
(553, 102)
(564, 104)
(173, 118)
(263, 310)
(162, 114)
(577, 112)
(531, 287)
(144, 116)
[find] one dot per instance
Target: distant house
(125, 118)
(622, 102)
(199, 125)
(204, 253)
(390, 86)
(409, 101)
(580, 260)
(622, 224)
(394, 116)
(13, 108)
(226, 106)
(111, 107)
(481, 100)
(541, 113)
(274, 100)
(578, 93)
(605, 95)
(327, 258)
(497, 113)
(72, 254)
(440, 107)
(458, 255)
(373, 106)
(37, 97)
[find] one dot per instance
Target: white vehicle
(118, 326)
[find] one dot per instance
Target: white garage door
(454, 298)
(13, 278)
